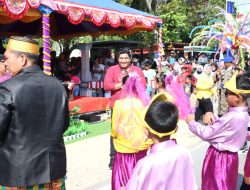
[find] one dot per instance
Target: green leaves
(179, 17)
(75, 110)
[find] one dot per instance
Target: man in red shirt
(113, 83)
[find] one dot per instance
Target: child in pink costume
(226, 136)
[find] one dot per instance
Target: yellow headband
(21, 46)
(158, 97)
(159, 134)
(231, 85)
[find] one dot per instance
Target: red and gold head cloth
(22, 46)
(159, 97)
(231, 85)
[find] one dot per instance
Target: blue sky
(243, 5)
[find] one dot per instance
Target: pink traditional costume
(226, 136)
(130, 140)
(247, 163)
(114, 76)
(167, 165)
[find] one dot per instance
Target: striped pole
(46, 45)
(46, 39)
(160, 45)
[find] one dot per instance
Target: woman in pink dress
(130, 139)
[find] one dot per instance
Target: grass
(94, 130)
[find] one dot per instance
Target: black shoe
(244, 149)
(111, 163)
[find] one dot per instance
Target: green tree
(175, 21)
(179, 16)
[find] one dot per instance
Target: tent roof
(73, 18)
(111, 5)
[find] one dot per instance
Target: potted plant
(77, 128)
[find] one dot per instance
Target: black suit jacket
(33, 117)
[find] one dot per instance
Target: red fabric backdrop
(89, 104)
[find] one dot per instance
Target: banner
(230, 6)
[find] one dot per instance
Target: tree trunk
(149, 4)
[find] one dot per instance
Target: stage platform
(89, 104)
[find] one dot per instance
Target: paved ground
(88, 160)
(88, 163)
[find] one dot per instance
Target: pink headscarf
(181, 100)
(134, 88)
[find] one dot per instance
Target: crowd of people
(202, 81)
(146, 120)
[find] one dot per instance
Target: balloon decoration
(232, 33)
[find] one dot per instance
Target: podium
(91, 88)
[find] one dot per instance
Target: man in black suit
(33, 117)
